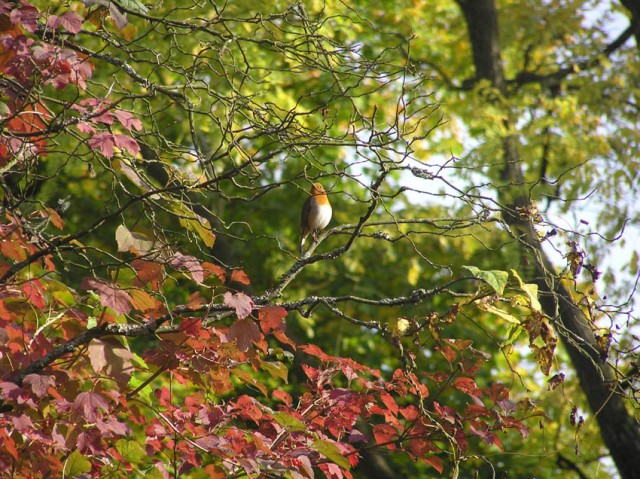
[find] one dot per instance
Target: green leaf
(4, 109)
(130, 451)
(153, 473)
(134, 5)
(531, 290)
(494, 278)
(498, 312)
(331, 452)
(76, 464)
(134, 242)
(276, 369)
(289, 422)
(513, 334)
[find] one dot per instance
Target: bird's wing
(304, 217)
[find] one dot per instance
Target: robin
(316, 213)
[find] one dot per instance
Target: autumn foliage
(118, 372)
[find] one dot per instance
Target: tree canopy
(469, 309)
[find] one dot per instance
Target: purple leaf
(87, 405)
(110, 296)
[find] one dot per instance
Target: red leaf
(410, 413)
(55, 218)
(33, 293)
(239, 276)
(39, 383)
(314, 350)
(445, 412)
(110, 296)
(214, 269)
(283, 396)
(449, 354)
(271, 318)
(70, 21)
(8, 444)
(389, 402)
(104, 142)
(242, 303)
(84, 127)
(244, 331)
(147, 271)
(112, 425)
(127, 143)
(481, 430)
(183, 262)
(435, 462)
(128, 120)
(385, 435)
(191, 326)
(467, 386)
(248, 409)
(88, 403)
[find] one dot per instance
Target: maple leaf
(314, 350)
(103, 142)
(283, 396)
(147, 272)
(183, 262)
(191, 326)
(39, 383)
(388, 401)
(32, 291)
(112, 425)
(244, 331)
(69, 21)
(84, 127)
(10, 391)
(8, 444)
(132, 241)
(215, 270)
(106, 142)
(248, 408)
(435, 462)
(111, 356)
(271, 318)
(242, 303)
(239, 276)
(467, 386)
(26, 16)
(110, 296)
(88, 403)
(127, 143)
(386, 435)
(22, 423)
(128, 120)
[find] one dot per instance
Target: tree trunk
(619, 430)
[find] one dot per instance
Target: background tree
(154, 163)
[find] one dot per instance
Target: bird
(316, 213)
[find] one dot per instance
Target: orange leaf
(239, 276)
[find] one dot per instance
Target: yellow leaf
(414, 272)
(129, 31)
(498, 312)
(531, 290)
